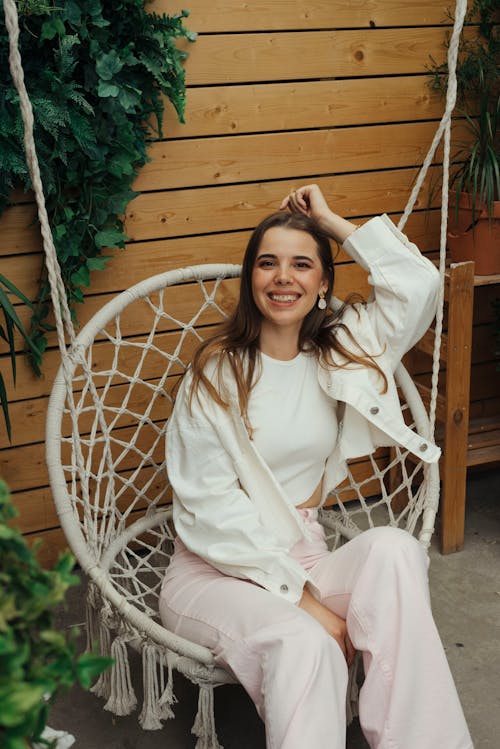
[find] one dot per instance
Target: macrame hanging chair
(105, 449)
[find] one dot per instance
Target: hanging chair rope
(443, 128)
(70, 354)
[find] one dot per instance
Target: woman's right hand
(334, 625)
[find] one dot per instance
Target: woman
(264, 422)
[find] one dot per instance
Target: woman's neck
(279, 343)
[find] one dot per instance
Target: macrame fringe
(168, 697)
(204, 723)
(122, 699)
(353, 690)
(150, 713)
(102, 687)
(91, 617)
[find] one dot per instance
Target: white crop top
(294, 423)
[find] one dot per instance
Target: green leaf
(9, 338)
(105, 89)
(77, 295)
(7, 533)
(52, 637)
(15, 291)
(52, 28)
(16, 700)
(109, 237)
(89, 666)
(81, 277)
(5, 407)
(65, 565)
(8, 611)
(72, 12)
(97, 263)
(11, 314)
(108, 65)
(129, 99)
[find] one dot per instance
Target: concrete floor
(465, 591)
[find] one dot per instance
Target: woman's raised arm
(404, 283)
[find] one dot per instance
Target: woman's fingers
(296, 201)
(346, 646)
(301, 199)
(308, 200)
(334, 624)
(350, 650)
(342, 644)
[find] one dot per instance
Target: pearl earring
(321, 300)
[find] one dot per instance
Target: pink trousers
(295, 672)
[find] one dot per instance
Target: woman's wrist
(336, 227)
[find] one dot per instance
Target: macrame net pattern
(118, 510)
(105, 449)
(122, 436)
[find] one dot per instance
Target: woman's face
(287, 277)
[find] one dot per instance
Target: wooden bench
(465, 442)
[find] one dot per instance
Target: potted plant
(37, 661)
(474, 209)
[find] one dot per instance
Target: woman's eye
(303, 265)
(266, 263)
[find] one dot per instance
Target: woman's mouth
(284, 298)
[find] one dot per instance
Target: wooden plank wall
(280, 93)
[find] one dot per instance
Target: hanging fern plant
(95, 72)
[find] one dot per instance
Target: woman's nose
(283, 275)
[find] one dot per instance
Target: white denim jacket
(228, 507)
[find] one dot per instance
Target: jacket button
(284, 588)
(423, 447)
(374, 410)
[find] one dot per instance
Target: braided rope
(58, 294)
(444, 128)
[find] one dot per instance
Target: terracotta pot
(481, 244)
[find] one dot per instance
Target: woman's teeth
(283, 297)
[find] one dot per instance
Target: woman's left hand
(310, 201)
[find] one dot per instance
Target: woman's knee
(396, 544)
(387, 536)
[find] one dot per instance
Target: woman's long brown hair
(237, 340)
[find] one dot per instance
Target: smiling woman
(293, 385)
(287, 281)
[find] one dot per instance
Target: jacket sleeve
(213, 516)
(405, 284)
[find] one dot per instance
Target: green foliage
(478, 101)
(37, 661)
(95, 73)
(479, 175)
(11, 321)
